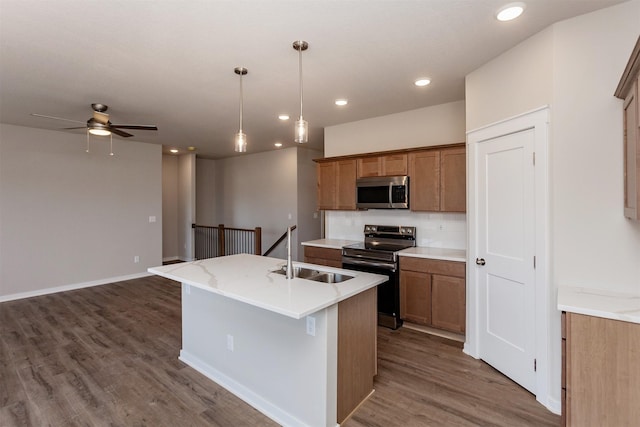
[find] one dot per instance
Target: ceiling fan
(99, 124)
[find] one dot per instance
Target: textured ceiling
(171, 63)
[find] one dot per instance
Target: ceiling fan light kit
(301, 127)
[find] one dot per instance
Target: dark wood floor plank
(108, 356)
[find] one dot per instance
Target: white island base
(309, 371)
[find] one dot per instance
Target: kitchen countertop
(250, 279)
(600, 303)
(330, 243)
(444, 254)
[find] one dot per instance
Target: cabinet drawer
(433, 266)
(324, 253)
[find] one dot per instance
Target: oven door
(388, 292)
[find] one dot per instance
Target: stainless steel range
(379, 254)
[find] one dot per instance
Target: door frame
(538, 120)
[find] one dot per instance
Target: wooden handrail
(284, 236)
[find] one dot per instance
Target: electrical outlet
(311, 326)
(229, 342)
(136, 259)
(152, 218)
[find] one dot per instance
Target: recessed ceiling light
(510, 11)
(422, 82)
(283, 117)
(191, 148)
(174, 150)
(278, 144)
(341, 102)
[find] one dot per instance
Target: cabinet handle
(480, 261)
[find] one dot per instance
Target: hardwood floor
(107, 356)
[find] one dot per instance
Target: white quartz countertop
(249, 278)
(418, 252)
(330, 243)
(444, 254)
(600, 303)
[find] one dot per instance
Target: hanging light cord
(300, 68)
(241, 98)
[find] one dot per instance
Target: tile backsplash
(438, 230)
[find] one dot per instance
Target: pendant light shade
(241, 138)
(302, 127)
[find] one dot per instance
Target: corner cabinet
(336, 184)
(438, 180)
(433, 293)
(628, 91)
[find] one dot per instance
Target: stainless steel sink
(315, 275)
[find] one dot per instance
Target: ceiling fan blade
(79, 127)
(102, 118)
(139, 127)
(119, 132)
(56, 118)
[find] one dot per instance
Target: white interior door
(506, 249)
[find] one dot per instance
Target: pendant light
(241, 138)
(302, 127)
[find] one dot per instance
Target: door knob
(480, 261)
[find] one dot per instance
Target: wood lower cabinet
(601, 372)
(388, 165)
(337, 185)
(433, 293)
(415, 297)
(629, 90)
(438, 180)
(323, 256)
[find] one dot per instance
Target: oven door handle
(368, 263)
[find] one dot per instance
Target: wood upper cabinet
(337, 184)
(424, 180)
(438, 180)
(433, 293)
(388, 165)
(628, 89)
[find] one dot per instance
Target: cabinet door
(369, 166)
(346, 185)
(424, 181)
(415, 297)
(631, 153)
(453, 180)
(394, 164)
(448, 303)
(327, 182)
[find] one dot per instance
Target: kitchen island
(302, 352)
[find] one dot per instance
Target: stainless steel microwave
(382, 192)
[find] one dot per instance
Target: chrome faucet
(289, 274)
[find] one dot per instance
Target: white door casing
(507, 255)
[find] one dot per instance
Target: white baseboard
(46, 291)
(553, 405)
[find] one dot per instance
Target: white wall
(440, 124)
(519, 80)
(272, 190)
(593, 244)
(170, 250)
(437, 125)
(186, 205)
(70, 218)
